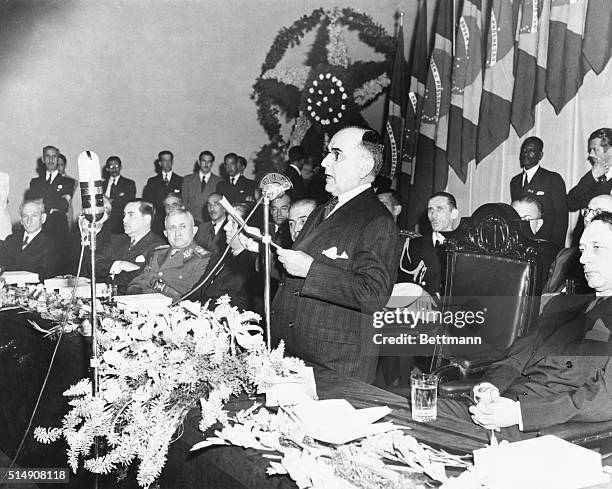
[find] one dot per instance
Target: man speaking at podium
(342, 266)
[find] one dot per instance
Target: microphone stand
(94, 361)
(266, 239)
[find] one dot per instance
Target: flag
(466, 89)
(418, 77)
(530, 76)
(431, 168)
(498, 87)
(597, 43)
(566, 65)
(394, 127)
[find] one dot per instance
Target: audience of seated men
(31, 249)
(119, 190)
(158, 187)
(566, 271)
(56, 192)
(198, 187)
(211, 234)
(173, 269)
(559, 372)
(237, 187)
(545, 186)
(235, 276)
(597, 181)
(422, 260)
(125, 256)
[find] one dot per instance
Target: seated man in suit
(559, 372)
(211, 234)
(173, 269)
(125, 256)
(298, 215)
(279, 212)
(566, 268)
(422, 261)
(119, 190)
(237, 188)
(30, 250)
(56, 192)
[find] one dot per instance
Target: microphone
(90, 181)
(273, 185)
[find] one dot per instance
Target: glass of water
(424, 396)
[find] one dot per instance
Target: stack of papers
(20, 278)
(143, 302)
(58, 283)
(336, 421)
(547, 461)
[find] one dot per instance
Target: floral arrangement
(285, 90)
(154, 368)
(389, 460)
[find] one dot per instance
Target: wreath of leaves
(269, 94)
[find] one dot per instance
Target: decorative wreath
(328, 89)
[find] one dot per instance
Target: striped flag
(394, 127)
(466, 89)
(498, 88)
(566, 65)
(597, 44)
(431, 168)
(530, 76)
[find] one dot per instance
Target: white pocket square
(332, 253)
(539, 192)
(139, 259)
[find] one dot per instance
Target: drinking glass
(424, 396)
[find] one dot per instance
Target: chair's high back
(491, 268)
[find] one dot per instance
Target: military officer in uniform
(173, 269)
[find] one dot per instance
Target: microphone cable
(51, 362)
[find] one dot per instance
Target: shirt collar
(296, 168)
(437, 236)
(53, 174)
(205, 176)
(531, 172)
(218, 225)
(167, 175)
(31, 236)
(136, 239)
(346, 196)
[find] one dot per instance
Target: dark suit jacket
(298, 191)
(205, 237)
(320, 316)
(237, 193)
(193, 196)
(39, 256)
(119, 249)
(156, 191)
(56, 225)
(548, 188)
(557, 374)
(423, 264)
(125, 190)
(234, 278)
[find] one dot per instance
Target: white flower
(325, 99)
(112, 391)
(332, 91)
(321, 76)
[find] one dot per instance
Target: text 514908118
(35, 475)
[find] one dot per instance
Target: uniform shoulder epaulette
(161, 247)
(201, 252)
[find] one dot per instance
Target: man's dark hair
(536, 140)
(145, 208)
(603, 217)
(396, 198)
(605, 134)
(296, 154)
(166, 152)
(373, 144)
(530, 200)
(115, 159)
(45, 148)
(206, 153)
(450, 197)
(63, 158)
(231, 155)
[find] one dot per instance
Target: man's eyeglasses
(587, 211)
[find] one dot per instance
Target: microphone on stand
(273, 185)
(90, 182)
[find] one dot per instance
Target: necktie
(602, 178)
(166, 178)
(233, 180)
(132, 243)
(49, 179)
(330, 206)
(113, 188)
(202, 184)
(25, 242)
